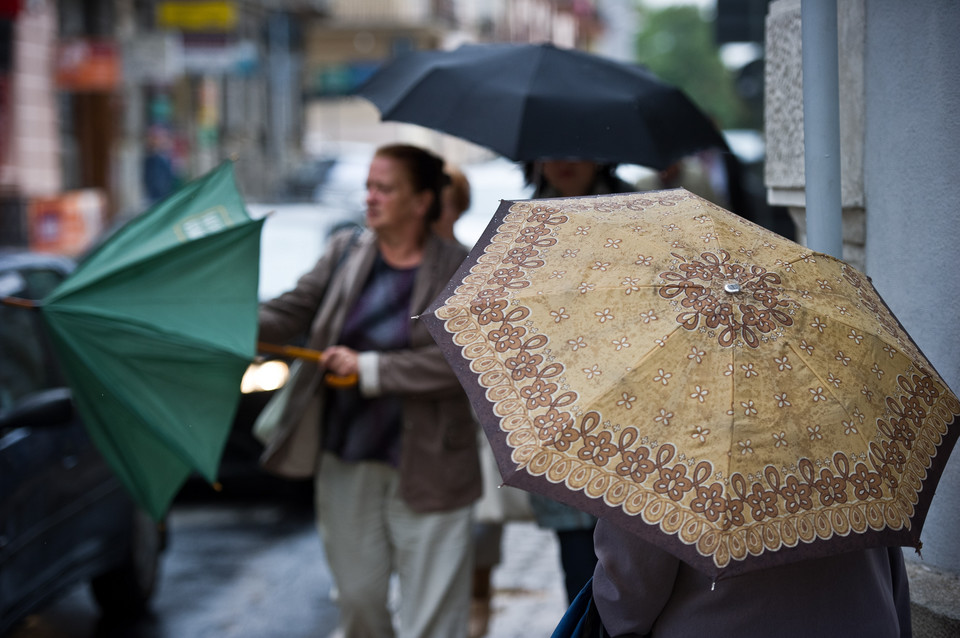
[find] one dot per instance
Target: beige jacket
(439, 464)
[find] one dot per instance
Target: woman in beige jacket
(395, 457)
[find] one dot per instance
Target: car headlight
(264, 376)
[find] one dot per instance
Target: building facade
(107, 105)
(899, 127)
(348, 41)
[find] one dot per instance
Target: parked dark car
(64, 516)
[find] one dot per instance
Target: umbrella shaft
(291, 351)
(18, 302)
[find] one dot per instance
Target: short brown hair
(459, 188)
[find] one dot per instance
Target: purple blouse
(368, 429)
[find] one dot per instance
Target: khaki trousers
(369, 533)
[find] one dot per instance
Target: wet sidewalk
(529, 597)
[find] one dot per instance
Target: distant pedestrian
(159, 176)
(573, 178)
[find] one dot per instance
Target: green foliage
(677, 44)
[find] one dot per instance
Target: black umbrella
(536, 101)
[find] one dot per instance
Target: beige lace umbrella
(724, 392)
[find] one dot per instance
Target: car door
(57, 505)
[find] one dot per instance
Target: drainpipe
(821, 126)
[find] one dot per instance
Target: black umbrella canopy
(537, 101)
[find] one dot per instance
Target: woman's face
(392, 203)
(573, 178)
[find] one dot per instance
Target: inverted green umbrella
(154, 331)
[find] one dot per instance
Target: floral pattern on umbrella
(726, 393)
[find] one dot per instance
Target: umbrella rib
(884, 336)
(129, 463)
(731, 415)
(812, 370)
(637, 364)
(516, 142)
(826, 386)
(649, 353)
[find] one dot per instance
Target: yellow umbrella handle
(291, 351)
(335, 381)
(315, 356)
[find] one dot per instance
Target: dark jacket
(641, 590)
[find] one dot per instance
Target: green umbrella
(154, 331)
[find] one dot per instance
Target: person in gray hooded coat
(641, 591)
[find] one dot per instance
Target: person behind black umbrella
(573, 178)
(574, 529)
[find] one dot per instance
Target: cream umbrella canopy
(727, 394)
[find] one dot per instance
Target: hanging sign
(86, 64)
(197, 16)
